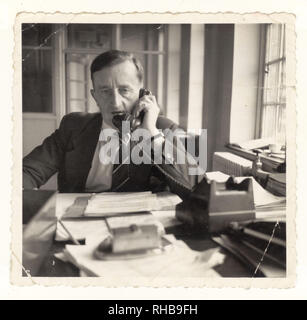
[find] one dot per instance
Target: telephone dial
(120, 116)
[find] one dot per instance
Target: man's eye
(105, 91)
(124, 91)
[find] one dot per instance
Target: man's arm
(175, 165)
(41, 163)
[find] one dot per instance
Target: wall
(218, 66)
(191, 77)
(230, 84)
(36, 127)
(173, 72)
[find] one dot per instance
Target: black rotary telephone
(120, 116)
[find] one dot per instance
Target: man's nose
(115, 98)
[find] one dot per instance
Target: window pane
(150, 65)
(76, 106)
(79, 83)
(275, 41)
(272, 83)
(281, 125)
(269, 123)
(91, 36)
(139, 37)
(36, 34)
(77, 90)
(283, 84)
(36, 80)
(152, 73)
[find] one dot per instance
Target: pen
(67, 231)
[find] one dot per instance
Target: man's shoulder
(164, 123)
(79, 120)
(82, 117)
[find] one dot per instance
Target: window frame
(58, 78)
(264, 62)
(116, 44)
(35, 48)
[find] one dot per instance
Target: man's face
(116, 88)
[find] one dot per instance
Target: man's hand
(149, 106)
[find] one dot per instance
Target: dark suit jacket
(70, 149)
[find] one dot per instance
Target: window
(86, 41)
(274, 93)
(37, 66)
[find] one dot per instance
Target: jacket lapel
(79, 160)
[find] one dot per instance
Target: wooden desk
(53, 267)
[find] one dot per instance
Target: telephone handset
(134, 123)
(120, 116)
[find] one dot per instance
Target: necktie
(121, 174)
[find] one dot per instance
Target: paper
(229, 162)
(177, 261)
(262, 197)
(167, 201)
(82, 229)
(91, 229)
(254, 144)
(217, 176)
(66, 200)
(113, 203)
(167, 218)
(251, 258)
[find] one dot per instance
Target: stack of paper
(267, 205)
(277, 183)
(217, 176)
(259, 262)
(167, 201)
(258, 244)
(87, 225)
(114, 203)
(254, 144)
(177, 261)
(90, 229)
(231, 164)
(263, 199)
(84, 229)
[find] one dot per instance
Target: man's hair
(112, 57)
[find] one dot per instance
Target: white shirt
(100, 176)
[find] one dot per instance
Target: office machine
(212, 206)
(127, 242)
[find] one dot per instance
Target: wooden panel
(35, 130)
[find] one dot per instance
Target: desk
(53, 267)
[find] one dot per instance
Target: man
(75, 149)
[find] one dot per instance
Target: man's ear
(93, 95)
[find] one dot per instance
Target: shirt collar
(104, 126)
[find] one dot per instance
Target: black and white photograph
(154, 154)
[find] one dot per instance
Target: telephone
(120, 116)
(211, 206)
